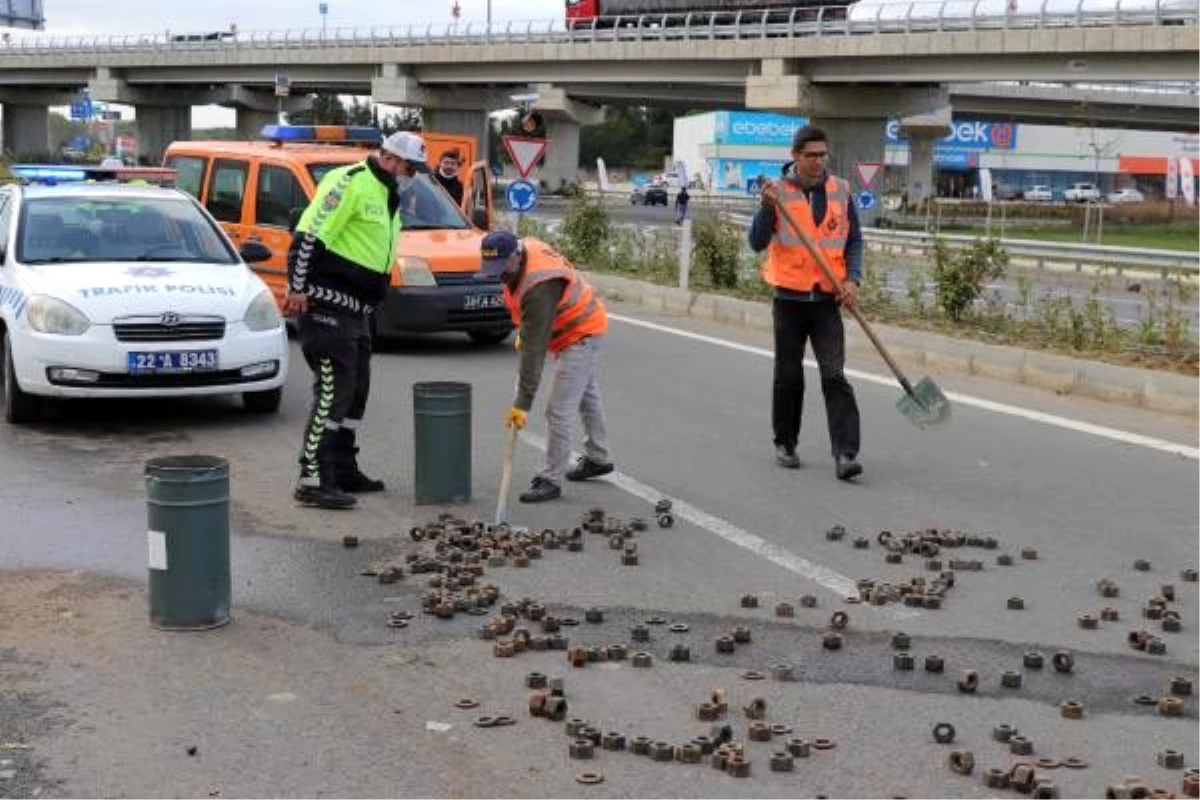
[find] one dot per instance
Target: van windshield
(424, 206)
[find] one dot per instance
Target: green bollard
(442, 423)
(187, 505)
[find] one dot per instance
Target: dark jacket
(452, 185)
(539, 307)
(762, 230)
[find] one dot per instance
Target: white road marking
(1101, 431)
(834, 581)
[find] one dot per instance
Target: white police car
(110, 289)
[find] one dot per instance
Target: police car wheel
(488, 337)
(19, 407)
(262, 402)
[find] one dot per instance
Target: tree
(327, 109)
(630, 136)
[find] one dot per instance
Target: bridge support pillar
(922, 132)
(26, 129)
(564, 117)
(158, 126)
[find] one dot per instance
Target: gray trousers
(575, 391)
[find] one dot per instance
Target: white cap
(406, 145)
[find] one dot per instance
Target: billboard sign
(741, 174)
(1187, 182)
(756, 128)
(967, 135)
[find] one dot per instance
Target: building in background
(727, 151)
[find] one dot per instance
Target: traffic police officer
(338, 270)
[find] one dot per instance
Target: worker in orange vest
(805, 305)
(554, 310)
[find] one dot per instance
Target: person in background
(681, 205)
(447, 175)
(805, 304)
(555, 310)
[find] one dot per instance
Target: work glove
(517, 342)
(516, 418)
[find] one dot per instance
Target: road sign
(1172, 178)
(1187, 182)
(283, 85)
(867, 172)
(865, 201)
(524, 152)
(521, 196)
(82, 108)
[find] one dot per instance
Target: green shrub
(961, 275)
(584, 236)
(716, 250)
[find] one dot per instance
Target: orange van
(257, 189)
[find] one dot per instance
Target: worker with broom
(554, 310)
(806, 305)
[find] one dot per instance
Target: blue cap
(496, 249)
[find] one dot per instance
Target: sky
(89, 17)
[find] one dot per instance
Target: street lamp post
(323, 8)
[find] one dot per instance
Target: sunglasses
(815, 156)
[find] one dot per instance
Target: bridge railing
(865, 17)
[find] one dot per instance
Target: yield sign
(867, 171)
(524, 152)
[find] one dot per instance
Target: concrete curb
(1130, 386)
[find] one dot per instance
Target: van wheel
(19, 407)
(488, 337)
(262, 402)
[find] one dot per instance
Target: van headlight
(262, 314)
(51, 315)
(415, 272)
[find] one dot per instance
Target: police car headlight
(50, 315)
(416, 272)
(262, 313)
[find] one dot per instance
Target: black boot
(356, 482)
(327, 497)
(347, 475)
(847, 467)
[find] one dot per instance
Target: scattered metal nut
(1045, 790)
(738, 767)
(1004, 560)
(1141, 565)
(1167, 591)
(642, 660)
(962, 761)
(662, 751)
(808, 601)
(1029, 554)
(1169, 759)
(688, 753)
(1022, 777)
(1109, 614)
(1016, 603)
(785, 610)
(707, 712)
(901, 641)
(640, 746)
(613, 741)
(831, 641)
(680, 652)
(679, 627)
(581, 748)
(1048, 763)
(836, 533)
(1145, 700)
(1181, 687)
(894, 558)
(749, 601)
(1020, 745)
(1003, 732)
(617, 652)
(1170, 706)
(934, 663)
(665, 520)
(968, 681)
(1088, 622)
(839, 620)
(933, 564)
(823, 743)
(799, 748)
(1070, 709)
(995, 778)
(704, 743)
(593, 615)
(535, 680)
(1189, 576)
(781, 762)
(589, 778)
(741, 634)
(726, 644)
(943, 733)
(782, 672)
(639, 633)
(1074, 762)
(1191, 784)
(537, 703)
(759, 732)
(1034, 660)
(555, 708)
(902, 661)
(1156, 646)
(1171, 623)
(1011, 680)
(1063, 661)
(755, 709)
(1108, 588)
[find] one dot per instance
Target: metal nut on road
(755, 709)
(781, 762)
(1191, 785)
(1088, 622)
(901, 641)
(1004, 560)
(688, 753)
(934, 663)
(1020, 746)
(782, 672)
(679, 627)
(1169, 759)
(1108, 588)
(1048, 763)
(749, 601)
(581, 748)
(995, 778)
(665, 520)
(1045, 790)
(555, 709)
(1011, 680)
(1170, 706)
(933, 564)
(759, 732)
(962, 761)
(1029, 554)
(836, 533)
(1016, 604)
(719, 759)
(823, 743)
(1141, 565)
(680, 652)
(903, 661)
(639, 633)
(1022, 777)
(1074, 762)
(726, 644)
(662, 751)
(785, 610)
(831, 641)
(1034, 660)
(741, 635)
(642, 660)
(707, 712)
(1110, 614)
(839, 620)
(704, 743)
(616, 652)
(738, 767)
(593, 615)
(640, 746)
(808, 601)
(1003, 732)
(537, 703)
(1181, 687)
(535, 680)
(613, 741)
(1167, 591)
(1071, 709)
(894, 558)
(1156, 646)
(800, 748)
(1063, 661)
(1171, 623)
(968, 681)
(589, 778)
(943, 733)
(1189, 576)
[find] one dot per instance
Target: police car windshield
(85, 228)
(424, 206)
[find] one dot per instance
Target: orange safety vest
(579, 314)
(788, 264)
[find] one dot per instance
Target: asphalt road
(1129, 299)
(309, 693)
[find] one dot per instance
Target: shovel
(924, 404)
(510, 452)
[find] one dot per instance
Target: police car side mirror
(294, 218)
(479, 218)
(254, 252)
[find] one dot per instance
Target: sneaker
(327, 497)
(847, 467)
(356, 482)
(587, 468)
(786, 457)
(540, 491)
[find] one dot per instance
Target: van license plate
(478, 302)
(172, 362)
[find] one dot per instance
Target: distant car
(651, 195)
(1082, 193)
(1038, 194)
(116, 290)
(1005, 192)
(1126, 195)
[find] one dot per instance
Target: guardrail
(913, 17)
(1081, 255)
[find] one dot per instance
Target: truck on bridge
(605, 13)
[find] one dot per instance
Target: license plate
(172, 362)
(476, 302)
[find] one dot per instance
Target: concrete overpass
(846, 76)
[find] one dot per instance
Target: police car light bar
(73, 173)
(326, 134)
